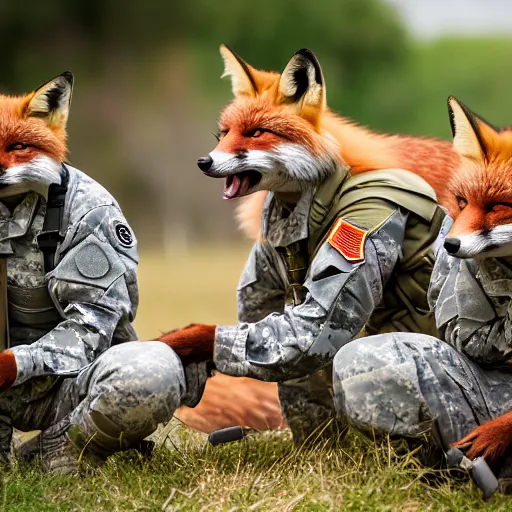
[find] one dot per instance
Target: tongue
(236, 186)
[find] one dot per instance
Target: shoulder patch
(123, 234)
(348, 240)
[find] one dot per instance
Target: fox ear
(242, 75)
(302, 81)
(472, 136)
(52, 100)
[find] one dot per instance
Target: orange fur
(16, 126)
(318, 129)
(193, 343)
(482, 186)
(492, 440)
(8, 369)
(483, 180)
(260, 103)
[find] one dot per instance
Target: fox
(33, 137)
(33, 147)
(279, 135)
(482, 228)
(286, 144)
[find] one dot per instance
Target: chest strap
(50, 237)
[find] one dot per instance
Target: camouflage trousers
(398, 383)
(308, 406)
(111, 405)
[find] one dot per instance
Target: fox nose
(204, 163)
(452, 245)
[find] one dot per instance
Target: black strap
(50, 237)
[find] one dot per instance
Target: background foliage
(148, 91)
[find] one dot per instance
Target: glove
(193, 344)
(8, 370)
(492, 440)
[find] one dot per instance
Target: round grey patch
(92, 262)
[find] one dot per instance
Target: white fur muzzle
(285, 167)
(34, 176)
(495, 243)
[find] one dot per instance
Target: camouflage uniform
(62, 323)
(300, 300)
(398, 383)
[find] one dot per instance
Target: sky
(432, 18)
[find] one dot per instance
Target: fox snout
(204, 163)
(452, 245)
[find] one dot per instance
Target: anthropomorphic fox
(33, 137)
(482, 234)
(70, 363)
(279, 136)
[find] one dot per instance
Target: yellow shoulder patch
(348, 240)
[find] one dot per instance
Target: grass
(262, 473)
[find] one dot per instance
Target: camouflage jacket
(278, 341)
(62, 321)
(473, 306)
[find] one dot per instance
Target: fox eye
(257, 132)
(462, 202)
(17, 146)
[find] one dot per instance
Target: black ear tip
(68, 76)
(312, 59)
(450, 113)
(308, 54)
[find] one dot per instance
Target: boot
(56, 453)
(5, 439)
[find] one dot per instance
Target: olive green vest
(367, 200)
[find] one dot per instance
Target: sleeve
(466, 317)
(260, 290)
(94, 286)
(340, 297)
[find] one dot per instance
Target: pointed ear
(242, 75)
(302, 81)
(52, 100)
(472, 136)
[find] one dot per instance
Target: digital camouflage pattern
(280, 338)
(398, 383)
(62, 323)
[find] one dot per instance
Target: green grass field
(262, 473)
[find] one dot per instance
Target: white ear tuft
(242, 81)
(465, 129)
(302, 80)
(51, 102)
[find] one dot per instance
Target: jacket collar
(282, 227)
(17, 223)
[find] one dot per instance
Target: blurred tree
(356, 41)
(148, 88)
(136, 117)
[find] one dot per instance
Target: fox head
(270, 135)
(482, 186)
(33, 137)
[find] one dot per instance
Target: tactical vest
(404, 305)
(33, 308)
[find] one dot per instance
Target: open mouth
(238, 185)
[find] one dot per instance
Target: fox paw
(492, 440)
